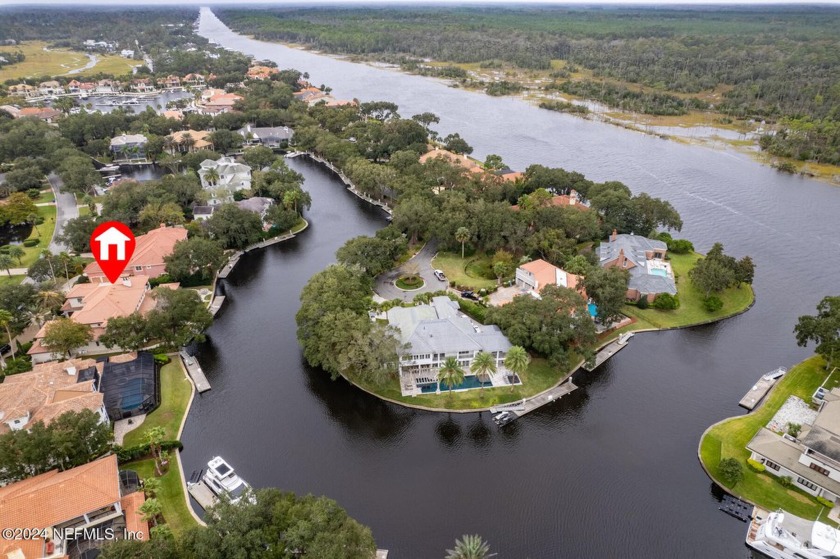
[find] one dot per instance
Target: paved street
(65, 210)
(386, 288)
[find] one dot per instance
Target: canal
(611, 470)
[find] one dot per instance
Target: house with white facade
(129, 146)
(431, 333)
(644, 259)
(811, 459)
(223, 177)
(269, 136)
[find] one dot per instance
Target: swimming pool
(593, 309)
(469, 382)
(659, 272)
(133, 396)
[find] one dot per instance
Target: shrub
(5, 249)
(680, 246)
(666, 302)
(712, 303)
(793, 429)
(731, 471)
(755, 465)
(474, 310)
(785, 481)
(127, 454)
(31, 242)
(825, 502)
(83, 279)
(163, 278)
(17, 365)
(33, 193)
(162, 359)
(643, 303)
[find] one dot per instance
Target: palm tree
(470, 547)
(483, 365)
(33, 219)
(451, 373)
(48, 301)
(5, 320)
(150, 510)
(462, 235)
(291, 198)
(212, 177)
(6, 263)
(517, 360)
(187, 141)
(47, 255)
(17, 252)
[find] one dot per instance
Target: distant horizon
(437, 3)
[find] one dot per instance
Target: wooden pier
(516, 410)
(608, 351)
(761, 388)
(202, 494)
(216, 304)
(195, 372)
(231, 264)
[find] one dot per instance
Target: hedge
(825, 502)
(31, 242)
(128, 454)
(755, 465)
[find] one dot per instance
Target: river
(609, 471)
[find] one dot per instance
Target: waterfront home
(13, 110)
(308, 94)
(452, 159)
(73, 86)
(261, 72)
(223, 177)
(187, 141)
(812, 458)
(50, 390)
(70, 506)
(50, 87)
(150, 250)
(129, 146)
(46, 114)
(107, 86)
(258, 205)
(570, 200)
(269, 136)
(193, 79)
(216, 101)
(24, 90)
(433, 332)
(142, 85)
(173, 114)
(535, 275)
(650, 273)
(169, 81)
(95, 304)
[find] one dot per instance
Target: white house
(223, 177)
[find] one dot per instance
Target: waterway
(609, 471)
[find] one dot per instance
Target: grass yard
(730, 437)
(171, 495)
(46, 196)
(58, 62)
(175, 392)
(540, 376)
(44, 232)
(691, 309)
(473, 272)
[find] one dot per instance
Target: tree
(151, 486)
(483, 365)
(17, 253)
(20, 300)
(5, 320)
(822, 329)
(711, 275)
(462, 235)
(18, 209)
(451, 373)
(607, 287)
(470, 547)
(517, 360)
(150, 511)
(194, 258)
(731, 471)
(744, 271)
(159, 213)
(258, 157)
(234, 227)
(494, 162)
(6, 263)
(373, 254)
(502, 264)
(455, 143)
(126, 332)
(63, 335)
(77, 233)
(180, 317)
(154, 438)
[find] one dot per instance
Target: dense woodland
(779, 64)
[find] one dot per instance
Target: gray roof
(268, 133)
(257, 204)
(786, 453)
(634, 246)
(650, 283)
(823, 441)
(440, 328)
(203, 210)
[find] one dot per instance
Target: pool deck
(195, 372)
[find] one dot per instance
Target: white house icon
(112, 236)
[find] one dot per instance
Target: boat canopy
(826, 538)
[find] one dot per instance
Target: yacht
(780, 535)
(222, 480)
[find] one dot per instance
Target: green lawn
(45, 197)
(171, 495)
(730, 437)
(540, 376)
(84, 211)
(175, 390)
(473, 272)
(691, 309)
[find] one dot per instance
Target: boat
(222, 480)
(781, 535)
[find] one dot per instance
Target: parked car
(469, 295)
(440, 275)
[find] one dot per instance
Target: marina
(195, 372)
(761, 388)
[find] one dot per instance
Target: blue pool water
(593, 309)
(659, 272)
(133, 396)
(469, 382)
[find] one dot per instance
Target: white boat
(782, 535)
(222, 480)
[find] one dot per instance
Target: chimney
(621, 258)
(614, 236)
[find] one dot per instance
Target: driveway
(385, 283)
(65, 210)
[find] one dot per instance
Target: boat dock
(231, 264)
(216, 305)
(761, 388)
(515, 410)
(736, 508)
(202, 494)
(608, 351)
(195, 372)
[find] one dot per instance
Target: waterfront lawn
(730, 437)
(473, 272)
(175, 391)
(691, 311)
(541, 376)
(171, 495)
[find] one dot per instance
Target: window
(138, 268)
(771, 465)
(817, 468)
(805, 483)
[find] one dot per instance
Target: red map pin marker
(112, 244)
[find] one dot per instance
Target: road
(386, 289)
(65, 210)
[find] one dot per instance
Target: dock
(736, 508)
(608, 351)
(195, 372)
(202, 494)
(508, 413)
(216, 305)
(761, 388)
(231, 264)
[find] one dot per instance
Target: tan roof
(563, 200)
(48, 391)
(452, 158)
(134, 522)
(546, 274)
(103, 301)
(54, 497)
(150, 250)
(176, 114)
(199, 137)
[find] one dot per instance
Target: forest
(781, 65)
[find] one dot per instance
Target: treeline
(625, 98)
(805, 139)
(13, 57)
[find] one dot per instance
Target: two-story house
(223, 177)
(129, 146)
(535, 275)
(644, 259)
(150, 250)
(269, 136)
